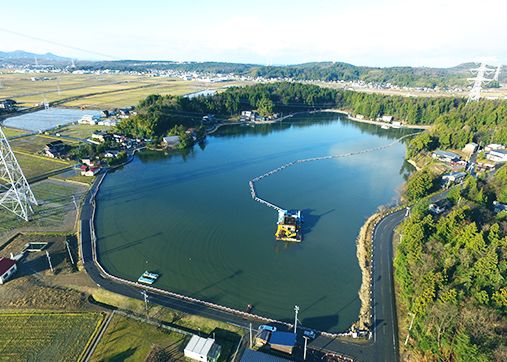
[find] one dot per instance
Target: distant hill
(23, 55)
(324, 71)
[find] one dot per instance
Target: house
(124, 113)
(104, 113)
(100, 136)
(171, 141)
(494, 147)
(8, 104)
(446, 156)
(202, 349)
(88, 162)
(499, 207)
(111, 154)
(255, 356)
(387, 119)
(55, 149)
(283, 341)
(209, 118)
(453, 178)
(470, 147)
(88, 119)
(89, 171)
(249, 115)
(360, 117)
(497, 155)
(108, 122)
(7, 269)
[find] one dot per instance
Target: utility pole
(410, 328)
(49, 261)
(251, 339)
(145, 295)
(304, 351)
(296, 310)
(74, 201)
(70, 254)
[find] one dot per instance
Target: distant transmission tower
(15, 195)
(475, 93)
(497, 73)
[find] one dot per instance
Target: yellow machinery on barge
(289, 226)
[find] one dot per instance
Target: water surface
(191, 218)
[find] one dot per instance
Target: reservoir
(190, 217)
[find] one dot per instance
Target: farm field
(55, 212)
(45, 336)
(12, 132)
(130, 340)
(35, 144)
(120, 90)
(81, 130)
(35, 165)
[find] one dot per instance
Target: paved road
(382, 347)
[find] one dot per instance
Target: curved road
(382, 347)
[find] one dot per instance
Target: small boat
(149, 275)
(249, 308)
(385, 126)
(144, 280)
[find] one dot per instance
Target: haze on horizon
(439, 33)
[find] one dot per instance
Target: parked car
(265, 327)
(310, 333)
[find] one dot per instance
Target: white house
(494, 146)
(88, 119)
(7, 269)
(171, 141)
(202, 349)
(446, 156)
(497, 155)
(470, 147)
(387, 119)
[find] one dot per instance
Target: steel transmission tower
(15, 195)
(475, 93)
(497, 73)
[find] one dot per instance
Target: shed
(202, 349)
(7, 269)
(470, 147)
(283, 341)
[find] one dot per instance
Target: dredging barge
(289, 226)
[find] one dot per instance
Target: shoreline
(364, 246)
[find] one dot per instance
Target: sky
(433, 33)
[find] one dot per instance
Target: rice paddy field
(46, 336)
(129, 340)
(12, 132)
(55, 212)
(115, 90)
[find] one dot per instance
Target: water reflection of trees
(299, 121)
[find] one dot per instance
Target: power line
(58, 43)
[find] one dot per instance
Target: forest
(451, 271)
(454, 122)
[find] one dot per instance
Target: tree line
(452, 275)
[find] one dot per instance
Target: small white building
(171, 141)
(7, 269)
(387, 119)
(494, 147)
(88, 119)
(202, 349)
(499, 207)
(470, 147)
(454, 177)
(497, 155)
